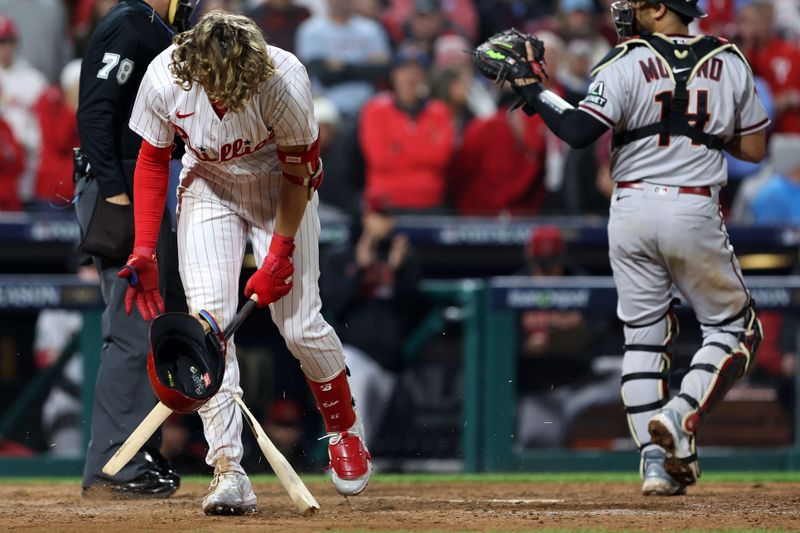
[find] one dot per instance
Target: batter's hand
(141, 271)
(273, 280)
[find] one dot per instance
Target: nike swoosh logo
(679, 70)
(621, 197)
(179, 115)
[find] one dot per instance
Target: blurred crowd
(403, 116)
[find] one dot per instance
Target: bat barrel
(137, 439)
(303, 500)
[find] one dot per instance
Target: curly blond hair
(226, 54)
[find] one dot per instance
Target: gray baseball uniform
(665, 225)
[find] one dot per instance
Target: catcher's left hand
(511, 56)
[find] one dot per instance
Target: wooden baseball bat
(137, 439)
(297, 491)
(161, 412)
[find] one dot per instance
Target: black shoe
(159, 463)
(158, 480)
(150, 484)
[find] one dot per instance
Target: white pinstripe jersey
(239, 147)
(631, 92)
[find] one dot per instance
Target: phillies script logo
(228, 151)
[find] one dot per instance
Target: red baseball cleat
(351, 463)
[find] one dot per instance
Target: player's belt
(702, 191)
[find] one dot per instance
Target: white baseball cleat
(350, 462)
(656, 481)
(231, 494)
(681, 460)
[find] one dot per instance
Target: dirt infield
(439, 506)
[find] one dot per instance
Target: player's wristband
(145, 251)
(543, 100)
(281, 246)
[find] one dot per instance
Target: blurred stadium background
(484, 312)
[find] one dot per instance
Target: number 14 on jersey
(699, 119)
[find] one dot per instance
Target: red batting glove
(273, 280)
(141, 271)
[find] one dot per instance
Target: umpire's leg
(123, 396)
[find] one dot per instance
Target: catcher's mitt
(503, 57)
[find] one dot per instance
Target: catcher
(674, 103)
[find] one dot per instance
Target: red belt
(702, 191)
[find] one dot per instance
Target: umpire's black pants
(123, 396)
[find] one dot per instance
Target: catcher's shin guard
(644, 372)
(728, 352)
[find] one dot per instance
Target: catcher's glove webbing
(503, 57)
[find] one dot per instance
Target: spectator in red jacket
(500, 165)
(12, 163)
(774, 59)
(407, 139)
(55, 111)
(21, 85)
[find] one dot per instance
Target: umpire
(121, 48)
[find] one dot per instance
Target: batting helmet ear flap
(185, 365)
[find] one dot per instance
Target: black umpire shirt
(120, 49)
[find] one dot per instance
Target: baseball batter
(674, 103)
(250, 171)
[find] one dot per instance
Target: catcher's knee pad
(644, 371)
(728, 352)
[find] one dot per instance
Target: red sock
(334, 402)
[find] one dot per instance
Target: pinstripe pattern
(228, 194)
(162, 109)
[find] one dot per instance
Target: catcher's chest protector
(684, 61)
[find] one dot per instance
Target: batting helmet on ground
(185, 364)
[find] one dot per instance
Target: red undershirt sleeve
(150, 181)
